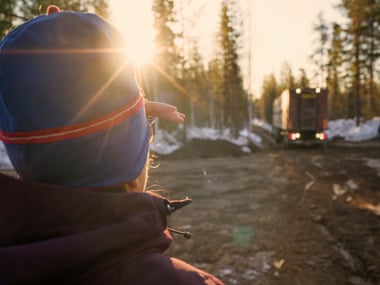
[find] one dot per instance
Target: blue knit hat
(70, 109)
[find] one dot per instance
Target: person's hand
(164, 111)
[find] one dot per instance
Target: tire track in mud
(251, 223)
(335, 181)
(353, 263)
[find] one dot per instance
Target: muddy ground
(277, 216)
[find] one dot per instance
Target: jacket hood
(51, 233)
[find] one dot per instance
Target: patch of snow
(250, 274)
(373, 163)
(262, 124)
(352, 185)
(164, 142)
(225, 272)
(348, 130)
(339, 190)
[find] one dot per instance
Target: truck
(300, 116)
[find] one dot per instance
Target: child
(75, 127)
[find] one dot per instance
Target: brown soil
(277, 216)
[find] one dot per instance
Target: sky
(283, 31)
(280, 31)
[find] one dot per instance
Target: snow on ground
(373, 163)
(165, 143)
(263, 125)
(348, 130)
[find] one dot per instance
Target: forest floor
(277, 216)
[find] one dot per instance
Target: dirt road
(298, 216)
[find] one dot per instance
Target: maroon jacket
(54, 235)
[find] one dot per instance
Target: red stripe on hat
(76, 130)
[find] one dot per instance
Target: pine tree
(166, 57)
(303, 81)
(193, 77)
(234, 100)
(355, 37)
(319, 55)
(287, 80)
(8, 17)
(168, 63)
(14, 12)
(371, 53)
(215, 76)
(334, 74)
(269, 93)
(197, 81)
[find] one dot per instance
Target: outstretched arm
(164, 111)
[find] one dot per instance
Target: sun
(139, 49)
(135, 20)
